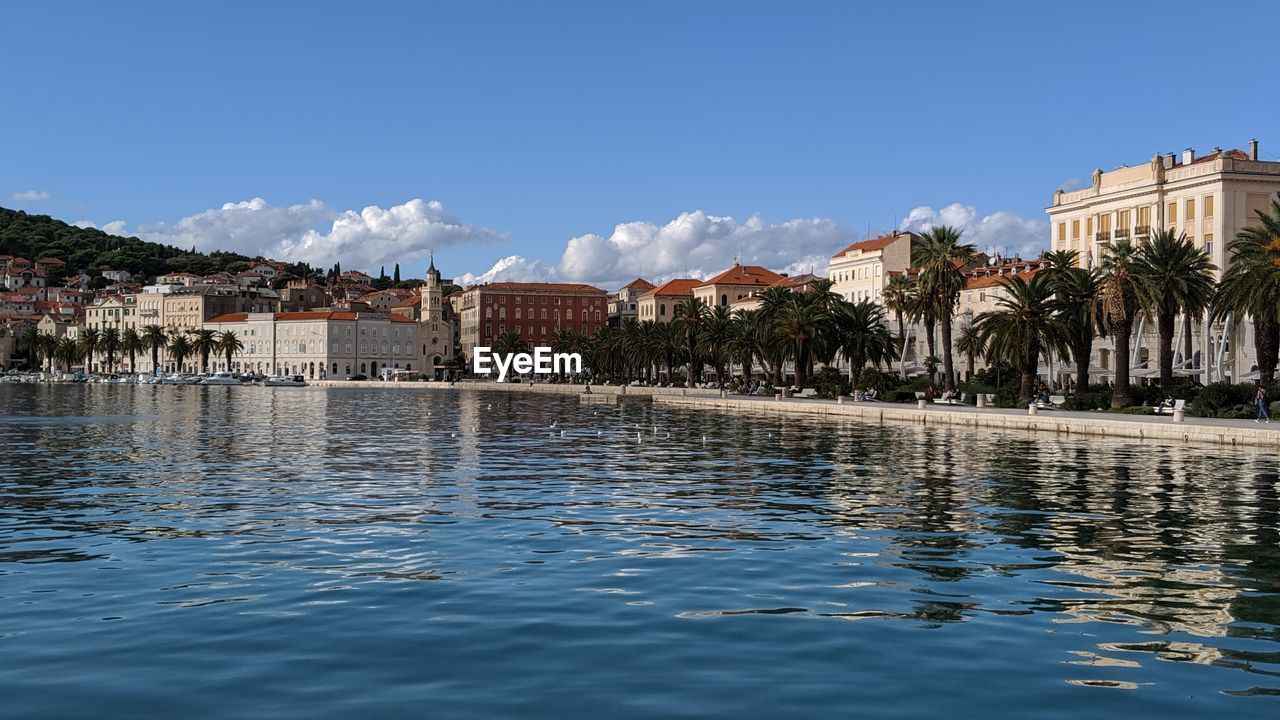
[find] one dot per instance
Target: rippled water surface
(282, 552)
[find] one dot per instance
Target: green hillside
(92, 251)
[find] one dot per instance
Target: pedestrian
(1261, 401)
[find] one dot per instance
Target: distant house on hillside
(117, 275)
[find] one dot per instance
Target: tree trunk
(855, 373)
(902, 336)
(933, 350)
(1120, 394)
(1028, 384)
(1081, 352)
(970, 367)
(1266, 342)
(800, 366)
(948, 359)
(1165, 326)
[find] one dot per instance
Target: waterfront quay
(1214, 431)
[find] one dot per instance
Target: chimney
(1253, 149)
(1188, 156)
(1170, 160)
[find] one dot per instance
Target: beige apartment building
(861, 270)
(734, 284)
(319, 344)
(1208, 198)
(625, 304)
(659, 303)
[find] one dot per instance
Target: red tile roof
(541, 287)
(744, 275)
(680, 287)
(993, 280)
(639, 283)
(303, 315)
(871, 245)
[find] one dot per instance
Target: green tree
(690, 316)
(66, 352)
(230, 345)
(155, 339)
(940, 256)
(1076, 291)
(1251, 286)
(89, 339)
(1117, 304)
(715, 338)
(971, 345)
(180, 349)
(863, 337)
(110, 344)
(1023, 325)
(204, 343)
(800, 323)
(131, 344)
(897, 296)
(1177, 278)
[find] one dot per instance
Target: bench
(1166, 410)
(1055, 403)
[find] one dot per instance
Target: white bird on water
(704, 439)
(561, 433)
(637, 437)
(554, 423)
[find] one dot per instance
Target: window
(1088, 226)
(1208, 207)
(1075, 229)
(1062, 232)
(488, 313)
(1124, 220)
(1173, 213)
(1208, 243)
(1191, 210)
(544, 312)
(502, 299)
(1104, 223)
(1144, 216)
(518, 299)
(662, 310)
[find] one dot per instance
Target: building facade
(1209, 199)
(861, 270)
(624, 304)
(537, 311)
(658, 304)
(734, 284)
(319, 344)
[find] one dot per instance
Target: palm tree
(510, 343)
(131, 343)
(46, 343)
(1023, 326)
(1251, 286)
(110, 343)
(1178, 277)
(920, 309)
(154, 339)
(66, 352)
(743, 341)
(89, 339)
(864, 337)
(205, 343)
(800, 322)
(229, 345)
(1117, 304)
(1076, 290)
(179, 349)
(896, 297)
(715, 338)
(690, 315)
(940, 256)
(28, 338)
(970, 343)
(668, 340)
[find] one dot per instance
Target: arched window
(724, 299)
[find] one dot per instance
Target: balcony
(1142, 231)
(1122, 233)
(1102, 237)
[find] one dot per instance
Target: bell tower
(431, 310)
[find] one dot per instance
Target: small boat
(285, 381)
(180, 379)
(221, 378)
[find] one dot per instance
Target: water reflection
(1141, 567)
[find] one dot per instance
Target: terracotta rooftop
(304, 315)
(679, 287)
(994, 279)
(744, 275)
(640, 283)
(540, 287)
(872, 245)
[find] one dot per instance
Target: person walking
(1261, 401)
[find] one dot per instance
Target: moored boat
(285, 381)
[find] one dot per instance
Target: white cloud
(30, 196)
(315, 233)
(1001, 232)
(694, 244)
(115, 227)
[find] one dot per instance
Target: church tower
(431, 295)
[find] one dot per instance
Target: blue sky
(531, 124)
